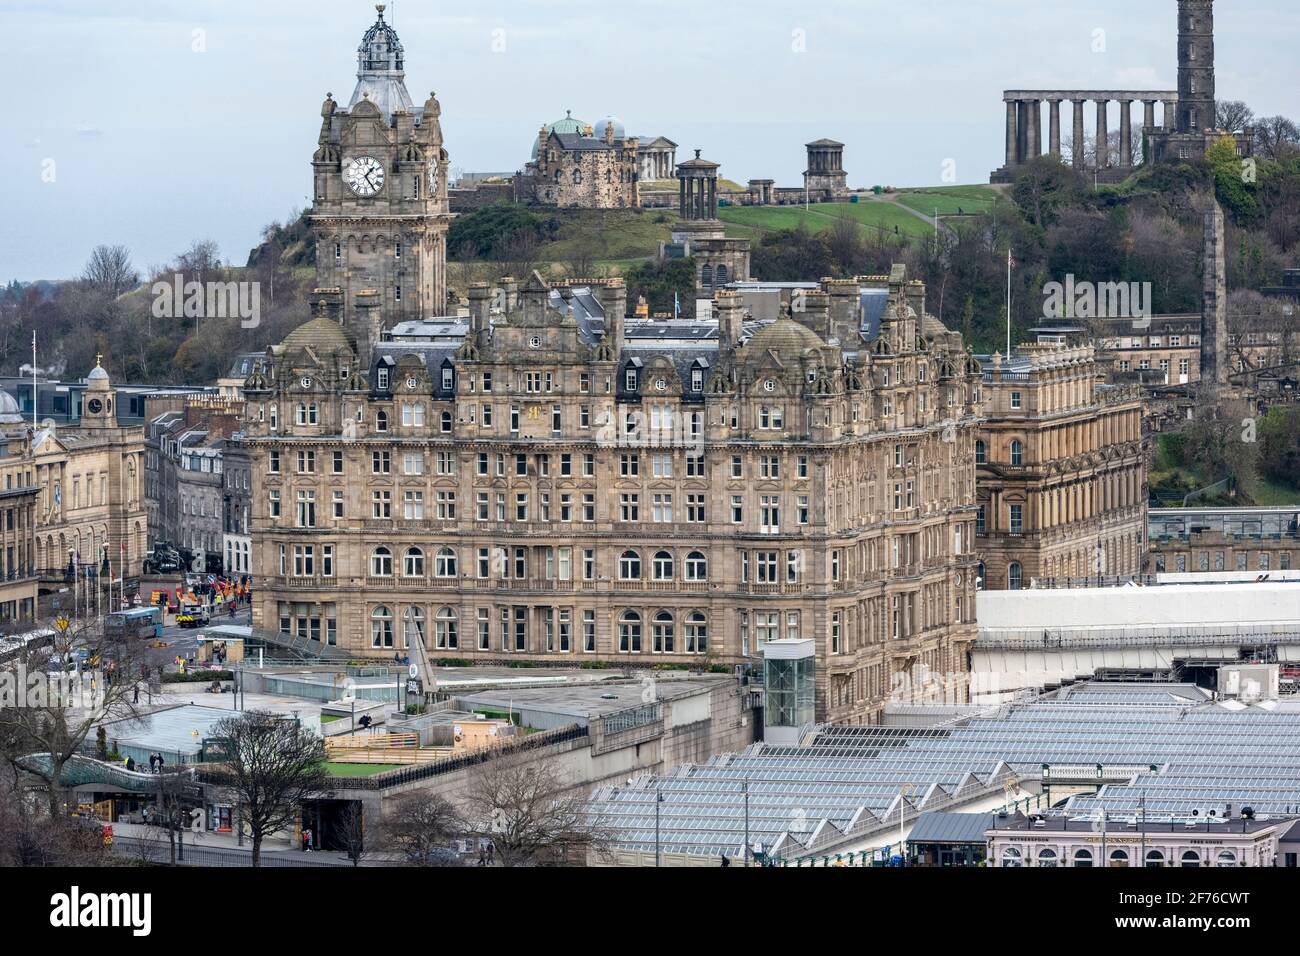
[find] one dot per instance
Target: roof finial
(697, 153)
(380, 8)
(99, 357)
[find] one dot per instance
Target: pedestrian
(135, 694)
(306, 840)
(130, 764)
(492, 848)
(482, 856)
(153, 763)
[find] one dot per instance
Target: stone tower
(380, 212)
(1214, 304)
(1196, 111)
(825, 179)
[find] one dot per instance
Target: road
(155, 849)
(184, 641)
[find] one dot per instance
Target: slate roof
(936, 826)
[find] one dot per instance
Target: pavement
(142, 841)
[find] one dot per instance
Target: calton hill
(1053, 221)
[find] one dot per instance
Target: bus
(139, 622)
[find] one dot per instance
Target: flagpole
(1008, 302)
(33, 382)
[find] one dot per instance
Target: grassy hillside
(870, 214)
(949, 200)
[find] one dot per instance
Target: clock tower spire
(379, 212)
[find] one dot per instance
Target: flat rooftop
(589, 701)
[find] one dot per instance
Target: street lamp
(659, 798)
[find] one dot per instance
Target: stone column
(1035, 108)
(1022, 131)
(1148, 123)
(1125, 157)
(1103, 136)
(1080, 157)
(1011, 133)
(681, 199)
(1054, 127)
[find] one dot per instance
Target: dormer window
(381, 378)
(630, 380)
(448, 378)
(697, 380)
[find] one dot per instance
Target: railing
(1097, 581)
(397, 778)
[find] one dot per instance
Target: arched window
(1011, 856)
(559, 176)
(1017, 452)
(412, 626)
(697, 567)
(444, 565)
(663, 633)
(381, 563)
(1083, 858)
(381, 421)
(697, 633)
(445, 630)
(577, 177)
(981, 452)
(1119, 858)
(629, 633)
(720, 277)
(1047, 857)
(706, 277)
(1226, 858)
(381, 627)
(979, 576)
(1155, 858)
(446, 422)
(1015, 576)
(1191, 860)
(662, 568)
(413, 563)
(629, 566)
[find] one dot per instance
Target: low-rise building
(1056, 840)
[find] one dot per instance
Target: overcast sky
(154, 123)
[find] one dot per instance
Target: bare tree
(419, 827)
(532, 814)
(1276, 137)
(271, 765)
(844, 237)
(521, 256)
(352, 832)
(110, 270)
(65, 702)
(201, 262)
(1233, 116)
(581, 261)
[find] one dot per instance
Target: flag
(1011, 262)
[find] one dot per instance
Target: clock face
(95, 406)
(364, 175)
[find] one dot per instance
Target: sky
(153, 123)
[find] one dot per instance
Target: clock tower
(379, 213)
(97, 411)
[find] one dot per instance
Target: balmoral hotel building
(1062, 474)
(548, 480)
